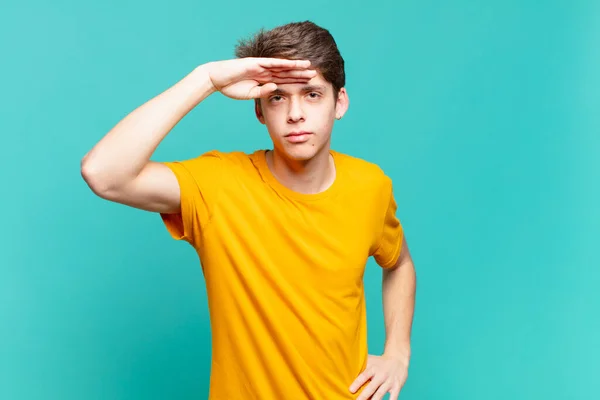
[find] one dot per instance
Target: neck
(306, 176)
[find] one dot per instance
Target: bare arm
(118, 167)
(388, 372)
(399, 286)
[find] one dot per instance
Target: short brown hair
(299, 41)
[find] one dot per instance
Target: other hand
(386, 374)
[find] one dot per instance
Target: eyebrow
(307, 88)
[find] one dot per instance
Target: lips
(299, 133)
(298, 137)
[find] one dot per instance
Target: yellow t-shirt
(284, 271)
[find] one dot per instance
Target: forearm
(399, 287)
(124, 151)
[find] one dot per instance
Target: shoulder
(362, 174)
(221, 159)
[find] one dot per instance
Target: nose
(295, 111)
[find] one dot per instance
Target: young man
(283, 235)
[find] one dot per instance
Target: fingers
(287, 77)
(368, 392)
(283, 63)
(361, 379)
(275, 70)
(394, 393)
(261, 91)
(288, 80)
(383, 389)
(308, 74)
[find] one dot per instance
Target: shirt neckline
(270, 178)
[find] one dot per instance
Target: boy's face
(300, 117)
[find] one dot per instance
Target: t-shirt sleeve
(200, 181)
(390, 237)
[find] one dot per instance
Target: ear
(342, 103)
(258, 111)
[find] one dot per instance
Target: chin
(301, 152)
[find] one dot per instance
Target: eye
(314, 95)
(275, 98)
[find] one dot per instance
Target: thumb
(260, 91)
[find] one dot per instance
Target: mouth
(299, 133)
(298, 137)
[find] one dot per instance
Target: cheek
(275, 123)
(325, 120)
(274, 115)
(270, 116)
(321, 111)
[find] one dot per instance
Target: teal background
(485, 114)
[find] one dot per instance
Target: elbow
(98, 181)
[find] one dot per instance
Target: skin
(118, 169)
(306, 167)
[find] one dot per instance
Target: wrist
(199, 82)
(400, 353)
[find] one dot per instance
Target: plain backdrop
(485, 114)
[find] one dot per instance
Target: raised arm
(118, 167)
